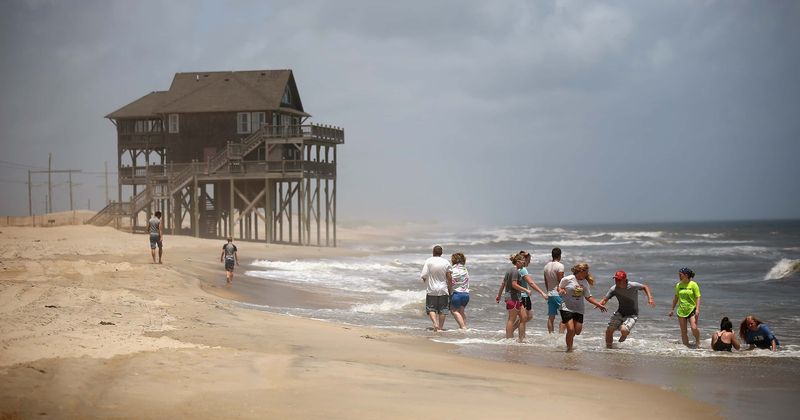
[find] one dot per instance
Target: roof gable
(257, 90)
(143, 107)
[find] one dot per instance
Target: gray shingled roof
(228, 91)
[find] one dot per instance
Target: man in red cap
(627, 294)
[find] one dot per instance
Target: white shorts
(618, 321)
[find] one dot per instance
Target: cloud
(451, 107)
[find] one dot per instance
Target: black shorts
(569, 315)
(526, 302)
(690, 315)
(438, 304)
(229, 264)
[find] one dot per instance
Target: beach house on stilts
(227, 154)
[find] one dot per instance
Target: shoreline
(90, 325)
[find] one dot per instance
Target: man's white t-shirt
(551, 271)
(434, 272)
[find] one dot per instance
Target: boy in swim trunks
(231, 256)
(156, 236)
(627, 294)
(553, 273)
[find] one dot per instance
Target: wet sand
(89, 328)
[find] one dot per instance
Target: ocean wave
(707, 235)
(669, 348)
(629, 236)
(363, 280)
(579, 242)
(784, 268)
(705, 241)
(315, 265)
(395, 301)
(718, 251)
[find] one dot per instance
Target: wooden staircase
(208, 219)
(109, 213)
(233, 153)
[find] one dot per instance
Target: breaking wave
(784, 268)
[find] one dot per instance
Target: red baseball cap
(620, 275)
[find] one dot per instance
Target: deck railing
(109, 212)
(130, 172)
(308, 132)
(180, 179)
(142, 199)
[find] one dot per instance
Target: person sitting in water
(757, 334)
(724, 339)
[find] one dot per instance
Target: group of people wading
(447, 290)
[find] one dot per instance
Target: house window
(173, 123)
(275, 121)
(243, 122)
(287, 96)
(259, 120)
(148, 126)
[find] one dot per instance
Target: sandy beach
(90, 328)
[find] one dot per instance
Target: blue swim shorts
(155, 240)
(459, 299)
(553, 304)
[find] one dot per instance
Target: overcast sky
(469, 112)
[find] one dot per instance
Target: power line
(12, 181)
(19, 165)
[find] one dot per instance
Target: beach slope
(90, 328)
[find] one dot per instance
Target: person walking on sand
(574, 289)
(757, 334)
(156, 236)
(724, 339)
(460, 288)
(512, 287)
(553, 273)
(230, 254)
(526, 280)
(627, 294)
(687, 297)
(437, 274)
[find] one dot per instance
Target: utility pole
(49, 183)
(30, 203)
(107, 199)
(50, 171)
(70, 191)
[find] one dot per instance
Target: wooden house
(227, 154)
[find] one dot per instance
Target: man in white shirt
(437, 275)
(553, 272)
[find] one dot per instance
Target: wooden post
(230, 212)
(267, 211)
(196, 208)
(334, 197)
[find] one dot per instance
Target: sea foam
(784, 268)
(395, 301)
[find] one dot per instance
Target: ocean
(742, 268)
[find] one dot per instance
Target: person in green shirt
(687, 297)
